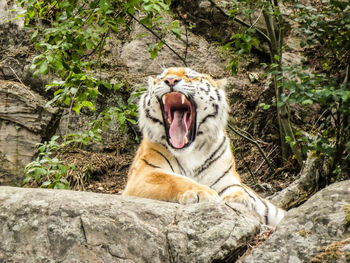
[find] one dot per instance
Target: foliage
(327, 30)
(70, 36)
(48, 171)
(244, 42)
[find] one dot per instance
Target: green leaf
(27, 179)
(277, 58)
(37, 173)
(60, 186)
(153, 50)
(132, 121)
(44, 68)
(107, 84)
(280, 104)
(307, 102)
(264, 106)
(46, 184)
(88, 104)
(77, 108)
(233, 66)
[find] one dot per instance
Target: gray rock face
(319, 229)
(23, 123)
(40, 225)
(198, 52)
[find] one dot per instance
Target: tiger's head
(182, 109)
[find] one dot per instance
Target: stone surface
(23, 123)
(307, 231)
(196, 50)
(41, 225)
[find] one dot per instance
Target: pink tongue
(178, 129)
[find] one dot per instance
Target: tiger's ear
(221, 83)
(151, 81)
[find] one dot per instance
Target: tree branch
(159, 38)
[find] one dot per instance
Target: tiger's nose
(171, 82)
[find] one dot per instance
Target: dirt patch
(97, 172)
(257, 242)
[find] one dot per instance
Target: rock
(316, 230)
(23, 123)
(207, 20)
(197, 51)
(39, 225)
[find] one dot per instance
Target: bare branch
(255, 143)
(159, 38)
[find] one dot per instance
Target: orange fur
(149, 177)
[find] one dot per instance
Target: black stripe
(202, 145)
(180, 166)
(149, 101)
(222, 176)
(212, 115)
(152, 165)
(264, 202)
(234, 185)
(266, 212)
(166, 159)
(218, 94)
(148, 115)
(206, 164)
(227, 187)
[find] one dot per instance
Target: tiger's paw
(241, 198)
(199, 196)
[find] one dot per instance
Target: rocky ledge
(39, 225)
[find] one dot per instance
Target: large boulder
(39, 225)
(24, 122)
(317, 231)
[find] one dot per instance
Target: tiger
(185, 154)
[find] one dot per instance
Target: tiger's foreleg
(170, 187)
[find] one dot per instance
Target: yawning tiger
(185, 155)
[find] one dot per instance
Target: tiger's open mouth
(179, 119)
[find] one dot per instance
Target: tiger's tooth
(183, 99)
(186, 140)
(164, 100)
(169, 121)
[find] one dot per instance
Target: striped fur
(205, 169)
